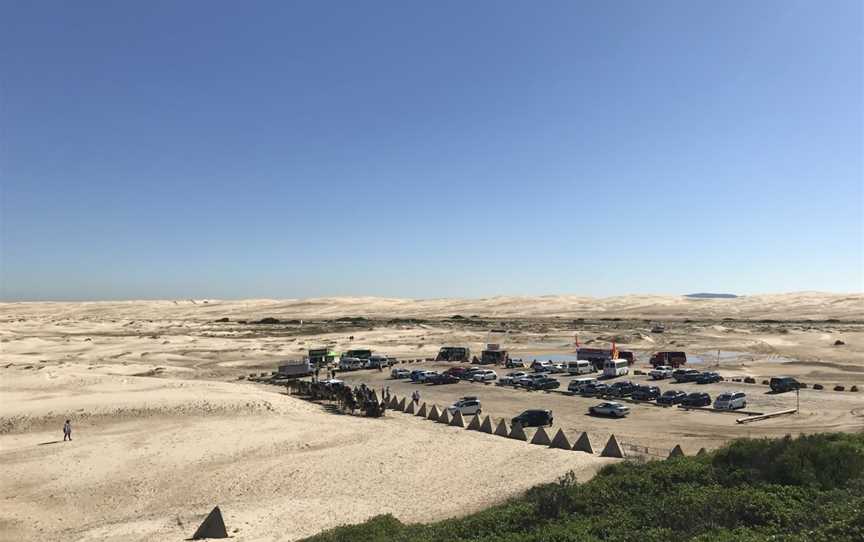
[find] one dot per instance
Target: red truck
(672, 359)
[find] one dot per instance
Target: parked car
(685, 375)
(377, 360)
(426, 375)
(455, 371)
(400, 373)
(528, 379)
(468, 373)
(540, 366)
(534, 418)
(510, 378)
(558, 368)
(731, 400)
(661, 372)
(782, 384)
(709, 378)
(621, 389)
(616, 410)
(415, 374)
(443, 378)
(545, 383)
(671, 397)
(513, 363)
(485, 375)
(696, 399)
(577, 384)
(591, 390)
(646, 393)
(467, 406)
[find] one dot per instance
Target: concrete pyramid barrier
(401, 405)
(458, 420)
(612, 449)
(474, 424)
(560, 441)
(583, 444)
(212, 527)
(486, 426)
(394, 403)
(423, 412)
(501, 430)
(541, 437)
(445, 417)
(410, 408)
(702, 451)
(434, 414)
(516, 432)
(676, 452)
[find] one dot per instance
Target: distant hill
(703, 295)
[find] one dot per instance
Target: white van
(730, 400)
(580, 367)
(576, 385)
(616, 367)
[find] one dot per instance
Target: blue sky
(430, 149)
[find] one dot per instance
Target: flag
(614, 351)
(577, 340)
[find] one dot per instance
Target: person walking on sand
(67, 431)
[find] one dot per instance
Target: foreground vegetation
(805, 489)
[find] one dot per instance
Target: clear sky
(167, 149)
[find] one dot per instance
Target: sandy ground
(164, 430)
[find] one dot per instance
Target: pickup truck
(661, 371)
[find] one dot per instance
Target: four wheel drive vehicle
(376, 361)
(510, 378)
(686, 375)
(528, 379)
(443, 378)
(545, 383)
(454, 353)
(466, 405)
(455, 371)
(541, 366)
(671, 397)
(782, 384)
(468, 374)
(400, 373)
(350, 364)
(645, 393)
(415, 374)
(534, 418)
(580, 367)
(484, 375)
(513, 363)
(621, 389)
(558, 368)
(696, 399)
(731, 400)
(674, 359)
(709, 378)
(609, 409)
(597, 388)
(424, 376)
(661, 371)
(577, 384)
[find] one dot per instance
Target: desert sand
(164, 429)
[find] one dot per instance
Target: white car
(540, 365)
(730, 400)
(558, 368)
(511, 378)
(484, 375)
(529, 379)
(576, 385)
(467, 406)
(661, 371)
(425, 375)
(610, 409)
(400, 373)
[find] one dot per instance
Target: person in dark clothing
(67, 431)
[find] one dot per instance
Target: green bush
(810, 488)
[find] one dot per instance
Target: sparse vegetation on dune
(809, 488)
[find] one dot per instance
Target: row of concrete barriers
(485, 425)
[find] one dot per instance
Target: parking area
(648, 424)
